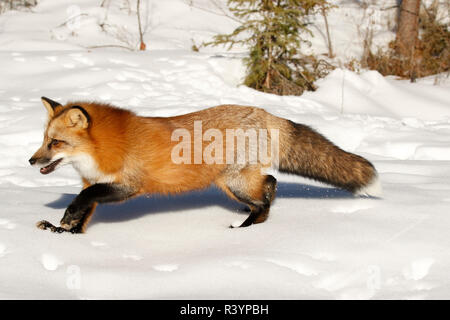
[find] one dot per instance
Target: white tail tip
(372, 189)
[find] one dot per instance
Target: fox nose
(32, 161)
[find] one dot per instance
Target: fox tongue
(50, 167)
(46, 169)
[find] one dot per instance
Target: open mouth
(50, 167)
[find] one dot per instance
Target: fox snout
(34, 160)
(38, 159)
(44, 160)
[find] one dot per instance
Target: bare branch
(142, 45)
(325, 18)
(222, 13)
(110, 46)
(71, 18)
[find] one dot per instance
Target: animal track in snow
(50, 262)
(126, 75)
(177, 63)
(68, 65)
(354, 206)
(105, 96)
(147, 86)
(423, 286)
(81, 93)
(5, 172)
(323, 256)
(134, 102)
(121, 77)
(166, 267)
(357, 293)
(98, 244)
(133, 257)
(118, 61)
(83, 60)
(119, 86)
(296, 266)
(3, 251)
(51, 58)
(336, 281)
(420, 296)
(4, 223)
(418, 269)
(238, 264)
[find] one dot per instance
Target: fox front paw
(44, 225)
(76, 229)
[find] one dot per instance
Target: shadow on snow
(143, 205)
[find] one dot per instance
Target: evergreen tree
(272, 30)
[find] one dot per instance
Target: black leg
(259, 210)
(254, 215)
(77, 227)
(82, 205)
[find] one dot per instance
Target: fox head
(64, 136)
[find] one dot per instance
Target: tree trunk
(327, 29)
(408, 27)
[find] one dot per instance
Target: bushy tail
(307, 153)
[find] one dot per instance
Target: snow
(319, 242)
(50, 262)
(367, 93)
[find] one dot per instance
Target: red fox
(120, 155)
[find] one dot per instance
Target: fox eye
(54, 143)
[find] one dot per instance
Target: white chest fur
(87, 167)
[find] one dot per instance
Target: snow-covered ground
(319, 242)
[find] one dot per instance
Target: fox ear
(50, 105)
(77, 117)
